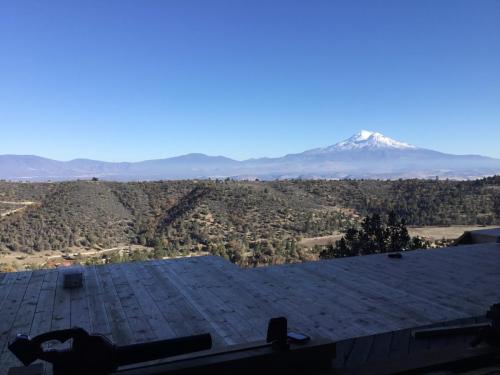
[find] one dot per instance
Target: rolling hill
(248, 222)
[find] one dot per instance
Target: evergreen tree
(374, 237)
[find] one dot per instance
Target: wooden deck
(338, 299)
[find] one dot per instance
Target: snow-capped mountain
(368, 139)
(365, 139)
(366, 154)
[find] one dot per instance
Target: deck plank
(265, 296)
(5, 287)
(24, 319)
(99, 321)
(139, 325)
(446, 286)
(227, 299)
(11, 306)
(203, 304)
(150, 310)
(423, 305)
(383, 308)
(271, 293)
(324, 303)
(61, 317)
(80, 309)
(183, 319)
(241, 297)
(120, 328)
(406, 270)
(45, 306)
(24, 316)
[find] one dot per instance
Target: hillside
(248, 222)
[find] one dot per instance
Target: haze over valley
(366, 154)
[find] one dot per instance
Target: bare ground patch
(431, 233)
(10, 207)
(322, 240)
(449, 232)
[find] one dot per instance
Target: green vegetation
(375, 236)
(249, 223)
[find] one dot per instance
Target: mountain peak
(363, 135)
(366, 139)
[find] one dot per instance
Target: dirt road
(23, 205)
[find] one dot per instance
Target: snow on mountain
(364, 155)
(365, 139)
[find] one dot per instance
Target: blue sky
(133, 80)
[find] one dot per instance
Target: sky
(133, 80)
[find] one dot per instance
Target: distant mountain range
(364, 155)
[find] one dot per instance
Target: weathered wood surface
(341, 299)
(369, 351)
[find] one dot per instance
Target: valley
(251, 223)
